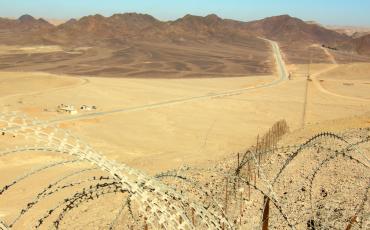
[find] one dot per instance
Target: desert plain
(192, 131)
(186, 107)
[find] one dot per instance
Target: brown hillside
(24, 30)
(24, 23)
(362, 44)
(121, 28)
(97, 29)
(285, 28)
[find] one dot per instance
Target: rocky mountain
(362, 44)
(292, 30)
(24, 30)
(119, 29)
(132, 26)
(98, 29)
(25, 23)
(208, 27)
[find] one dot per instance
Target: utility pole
(306, 90)
(309, 64)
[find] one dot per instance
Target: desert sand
(138, 122)
(190, 132)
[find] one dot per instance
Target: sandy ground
(144, 60)
(194, 132)
(28, 50)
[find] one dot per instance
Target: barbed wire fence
(267, 186)
(161, 206)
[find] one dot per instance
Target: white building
(70, 109)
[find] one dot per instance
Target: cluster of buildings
(72, 110)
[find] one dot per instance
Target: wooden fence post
(255, 175)
(193, 216)
(266, 210)
(241, 207)
(238, 182)
(226, 195)
(249, 181)
(226, 200)
(238, 160)
(145, 224)
(258, 154)
(352, 221)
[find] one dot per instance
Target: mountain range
(121, 28)
(139, 45)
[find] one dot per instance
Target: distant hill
(25, 23)
(120, 29)
(362, 44)
(209, 27)
(24, 30)
(123, 27)
(285, 28)
(131, 26)
(352, 31)
(97, 28)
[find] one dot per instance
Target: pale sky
(328, 12)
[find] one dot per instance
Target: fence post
(352, 221)
(238, 182)
(226, 200)
(258, 154)
(193, 216)
(145, 224)
(255, 175)
(271, 142)
(266, 210)
(249, 181)
(241, 206)
(238, 160)
(226, 195)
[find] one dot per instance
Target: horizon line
(169, 20)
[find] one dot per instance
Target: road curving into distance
(282, 76)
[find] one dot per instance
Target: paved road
(281, 69)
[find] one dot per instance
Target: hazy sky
(331, 12)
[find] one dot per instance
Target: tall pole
(305, 105)
(306, 91)
(309, 64)
(258, 155)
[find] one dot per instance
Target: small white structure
(70, 109)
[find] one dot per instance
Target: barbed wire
(188, 197)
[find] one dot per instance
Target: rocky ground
(310, 180)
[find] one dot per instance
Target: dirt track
(319, 86)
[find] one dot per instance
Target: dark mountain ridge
(122, 28)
